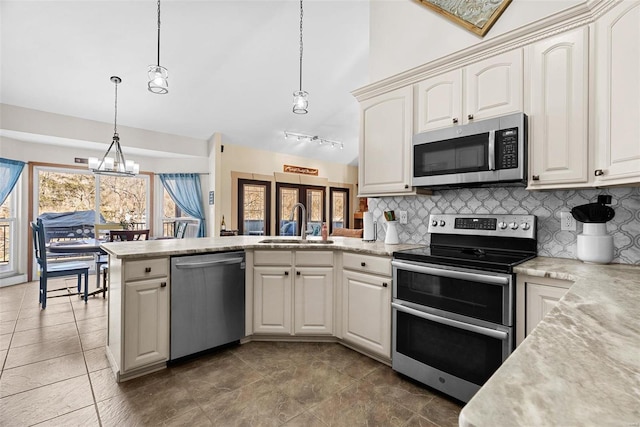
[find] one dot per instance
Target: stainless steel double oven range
(454, 302)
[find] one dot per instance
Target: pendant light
(117, 165)
(300, 101)
(158, 75)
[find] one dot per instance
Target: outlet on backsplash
(567, 222)
(402, 217)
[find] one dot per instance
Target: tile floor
(55, 373)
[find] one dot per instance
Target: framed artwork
(477, 16)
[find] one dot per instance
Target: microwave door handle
(491, 152)
(450, 322)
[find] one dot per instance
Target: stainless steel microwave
(492, 151)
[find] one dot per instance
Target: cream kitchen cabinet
(558, 89)
(488, 88)
(139, 322)
(536, 296)
(366, 303)
(293, 292)
(386, 129)
(617, 69)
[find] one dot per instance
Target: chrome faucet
(303, 221)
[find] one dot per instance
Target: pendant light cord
(115, 118)
(301, 15)
(158, 33)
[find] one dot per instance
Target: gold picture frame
(477, 16)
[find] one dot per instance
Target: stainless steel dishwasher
(207, 301)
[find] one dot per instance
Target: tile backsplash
(546, 205)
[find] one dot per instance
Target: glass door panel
(287, 198)
(339, 209)
(124, 200)
(315, 210)
(254, 203)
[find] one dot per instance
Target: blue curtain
(184, 189)
(10, 171)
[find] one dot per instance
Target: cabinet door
(439, 101)
(618, 95)
(366, 303)
(558, 120)
(386, 128)
(540, 300)
(494, 86)
(272, 300)
(146, 323)
(313, 294)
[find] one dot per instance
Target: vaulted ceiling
(233, 66)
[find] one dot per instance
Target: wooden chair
(128, 235)
(101, 259)
(72, 268)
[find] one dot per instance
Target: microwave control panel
(507, 148)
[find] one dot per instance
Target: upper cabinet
(492, 87)
(386, 128)
(618, 96)
(558, 113)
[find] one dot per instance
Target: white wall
(405, 34)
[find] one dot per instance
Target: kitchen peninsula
(295, 289)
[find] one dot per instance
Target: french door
(288, 220)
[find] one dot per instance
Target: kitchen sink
(296, 241)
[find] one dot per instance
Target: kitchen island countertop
(171, 247)
(581, 365)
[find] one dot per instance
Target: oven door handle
(450, 322)
(462, 275)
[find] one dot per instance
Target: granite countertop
(581, 365)
(170, 247)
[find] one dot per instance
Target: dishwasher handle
(211, 263)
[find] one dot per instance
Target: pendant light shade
(116, 165)
(158, 75)
(300, 97)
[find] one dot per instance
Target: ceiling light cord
(115, 116)
(301, 44)
(158, 33)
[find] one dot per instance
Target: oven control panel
(523, 226)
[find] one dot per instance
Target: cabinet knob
(536, 177)
(147, 269)
(470, 117)
(297, 273)
(455, 120)
(362, 264)
(385, 284)
(598, 172)
(163, 284)
(406, 186)
(286, 273)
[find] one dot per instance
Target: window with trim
(8, 247)
(288, 220)
(338, 208)
(254, 207)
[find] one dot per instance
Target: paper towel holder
(375, 233)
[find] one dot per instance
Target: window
(254, 202)
(170, 213)
(312, 198)
(8, 217)
(120, 199)
(338, 208)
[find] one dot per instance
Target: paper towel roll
(368, 233)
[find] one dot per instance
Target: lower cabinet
(146, 323)
(295, 296)
(366, 303)
(536, 297)
(139, 320)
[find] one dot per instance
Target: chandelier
(117, 165)
(313, 138)
(158, 75)
(300, 101)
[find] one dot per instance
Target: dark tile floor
(55, 373)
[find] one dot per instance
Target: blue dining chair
(62, 269)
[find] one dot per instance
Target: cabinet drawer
(314, 258)
(272, 258)
(146, 269)
(367, 263)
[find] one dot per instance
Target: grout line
(15, 324)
